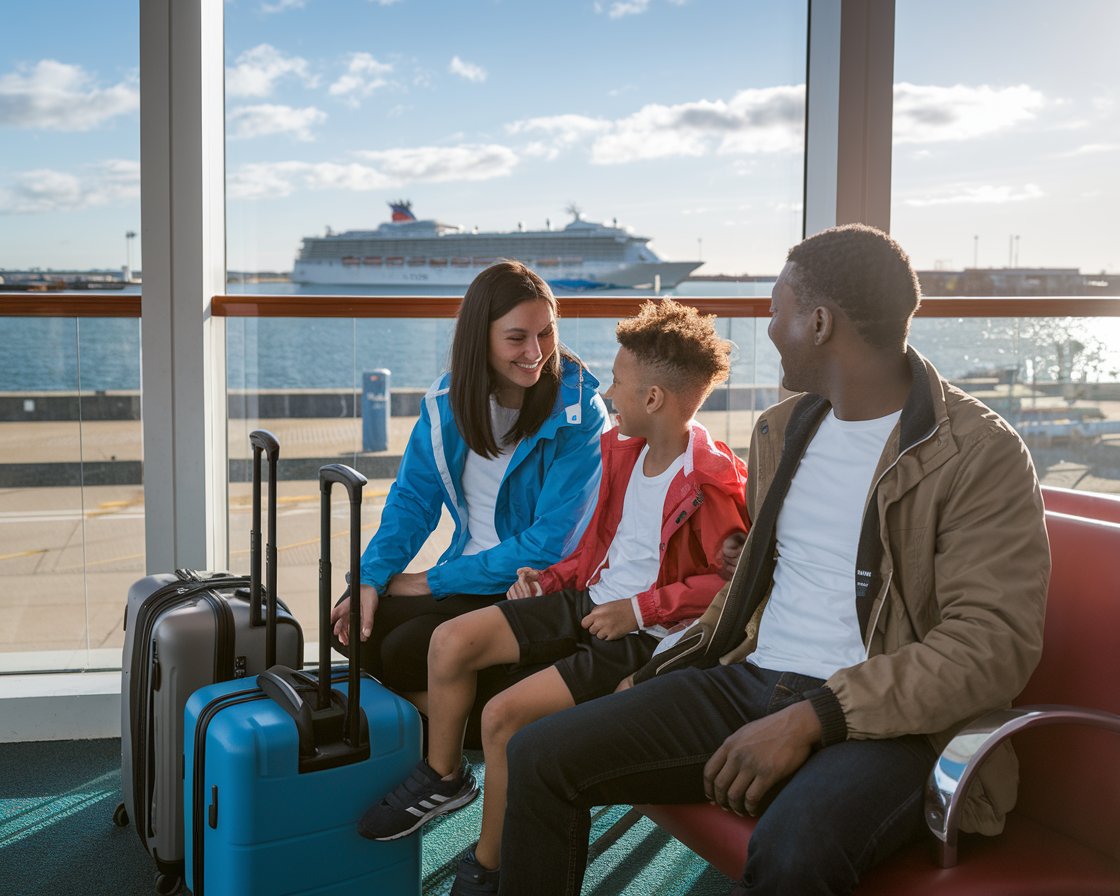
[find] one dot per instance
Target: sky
(680, 119)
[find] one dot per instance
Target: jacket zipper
(873, 623)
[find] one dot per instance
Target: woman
(508, 442)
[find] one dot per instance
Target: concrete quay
(68, 553)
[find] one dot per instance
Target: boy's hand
(729, 553)
(610, 621)
(527, 584)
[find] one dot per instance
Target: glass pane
(1053, 379)
(1006, 138)
(71, 501)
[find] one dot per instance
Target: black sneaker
(419, 797)
(471, 879)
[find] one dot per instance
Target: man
(891, 589)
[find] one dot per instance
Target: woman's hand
(611, 621)
(527, 585)
(409, 584)
(340, 615)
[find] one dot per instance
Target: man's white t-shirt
(634, 557)
(482, 477)
(810, 625)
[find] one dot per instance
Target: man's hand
(340, 615)
(729, 553)
(409, 584)
(625, 684)
(610, 621)
(528, 584)
(758, 756)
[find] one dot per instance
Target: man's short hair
(865, 273)
(679, 346)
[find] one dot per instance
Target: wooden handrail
(54, 304)
(602, 306)
(589, 306)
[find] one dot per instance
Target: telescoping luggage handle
(331, 727)
(353, 482)
(265, 443)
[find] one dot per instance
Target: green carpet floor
(57, 835)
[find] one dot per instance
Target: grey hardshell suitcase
(185, 630)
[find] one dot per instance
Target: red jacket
(704, 504)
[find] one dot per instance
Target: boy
(651, 557)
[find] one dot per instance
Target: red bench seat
(1063, 838)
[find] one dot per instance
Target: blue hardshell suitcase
(279, 771)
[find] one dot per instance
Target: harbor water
(64, 354)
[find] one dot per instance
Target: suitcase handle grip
(344, 475)
(353, 481)
(264, 442)
(315, 728)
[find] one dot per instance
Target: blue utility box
(375, 410)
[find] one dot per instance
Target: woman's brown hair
(493, 294)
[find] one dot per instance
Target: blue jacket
(544, 502)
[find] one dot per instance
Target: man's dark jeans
(849, 806)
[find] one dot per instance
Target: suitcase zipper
(143, 745)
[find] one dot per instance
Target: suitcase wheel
(120, 816)
(168, 884)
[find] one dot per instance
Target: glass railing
(71, 494)
(71, 498)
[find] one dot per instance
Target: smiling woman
(508, 444)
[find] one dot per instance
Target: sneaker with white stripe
(418, 798)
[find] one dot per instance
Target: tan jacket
(955, 610)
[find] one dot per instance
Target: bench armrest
(964, 754)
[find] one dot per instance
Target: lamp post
(129, 236)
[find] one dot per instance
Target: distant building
(1018, 282)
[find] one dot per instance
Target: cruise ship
(409, 252)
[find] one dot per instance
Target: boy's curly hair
(680, 345)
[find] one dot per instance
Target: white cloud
(1090, 149)
(982, 194)
(559, 132)
(281, 5)
(444, 163)
(364, 75)
(385, 2)
(928, 113)
(621, 8)
(275, 180)
(258, 69)
(466, 70)
(59, 97)
(266, 119)
(46, 190)
(386, 169)
(756, 120)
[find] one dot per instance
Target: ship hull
(641, 275)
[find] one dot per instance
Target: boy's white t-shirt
(634, 557)
(810, 624)
(482, 477)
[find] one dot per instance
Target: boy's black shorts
(548, 630)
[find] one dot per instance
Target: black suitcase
(184, 630)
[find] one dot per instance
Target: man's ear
(823, 323)
(655, 399)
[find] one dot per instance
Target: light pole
(976, 250)
(129, 236)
